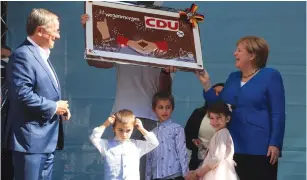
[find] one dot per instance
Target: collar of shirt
(44, 53)
(165, 123)
(117, 139)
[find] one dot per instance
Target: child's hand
(191, 175)
(109, 121)
(196, 142)
(138, 124)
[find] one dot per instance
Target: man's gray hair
(39, 17)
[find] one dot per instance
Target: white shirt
(136, 86)
(44, 53)
(242, 83)
(122, 159)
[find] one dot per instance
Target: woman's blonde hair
(257, 46)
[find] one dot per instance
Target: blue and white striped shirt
(170, 158)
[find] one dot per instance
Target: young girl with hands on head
(122, 154)
(218, 163)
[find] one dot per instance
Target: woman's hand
(204, 79)
(274, 152)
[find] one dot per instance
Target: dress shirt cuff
(54, 112)
(272, 143)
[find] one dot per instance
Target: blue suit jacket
(258, 119)
(32, 102)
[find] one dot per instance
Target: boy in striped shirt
(169, 159)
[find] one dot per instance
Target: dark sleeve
(210, 95)
(192, 127)
(276, 92)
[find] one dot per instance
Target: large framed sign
(131, 34)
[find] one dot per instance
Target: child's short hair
(124, 116)
(219, 108)
(162, 96)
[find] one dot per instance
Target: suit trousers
(148, 124)
(7, 168)
(255, 167)
(33, 166)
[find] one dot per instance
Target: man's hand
(67, 115)
(61, 107)
(274, 153)
(109, 121)
(84, 18)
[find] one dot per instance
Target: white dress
(220, 157)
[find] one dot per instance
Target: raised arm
(95, 137)
(165, 82)
(150, 142)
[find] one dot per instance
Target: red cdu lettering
(175, 25)
(150, 22)
(161, 24)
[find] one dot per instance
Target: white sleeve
(99, 143)
(148, 145)
(217, 151)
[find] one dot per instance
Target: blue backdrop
(91, 91)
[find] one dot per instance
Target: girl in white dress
(219, 163)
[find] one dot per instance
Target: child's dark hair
(162, 96)
(219, 108)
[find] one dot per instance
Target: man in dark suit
(35, 109)
(6, 154)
